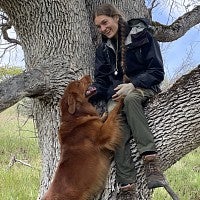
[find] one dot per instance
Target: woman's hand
(123, 90)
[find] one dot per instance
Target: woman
(129, 64)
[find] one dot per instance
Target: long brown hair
(111, 11)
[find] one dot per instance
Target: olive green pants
(134, 124)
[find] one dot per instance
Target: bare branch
(153, 5)
(3, 17)
(186, 65)
(6, 48)
(14, 160)
(174, 31)
(4, 29)
(27, 84)
(170, 11)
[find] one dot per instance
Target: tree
(58, 40)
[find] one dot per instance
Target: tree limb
(6, 48)
(165, 33)
(28, 84)
(4, 28)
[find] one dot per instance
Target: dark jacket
(144, 65)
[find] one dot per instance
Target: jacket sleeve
(154, 70)
(101, 75)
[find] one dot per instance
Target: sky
(183, 52)
(13, 57)
(176, 55)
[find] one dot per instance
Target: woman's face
(107, 26)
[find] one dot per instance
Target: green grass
(20, 182)
(184, 178)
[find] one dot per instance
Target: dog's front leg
(110, 133)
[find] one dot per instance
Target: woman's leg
(134, 110)
(133, 107)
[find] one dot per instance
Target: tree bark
(29, 84)
(179, 27)
(58, 39)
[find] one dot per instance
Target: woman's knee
(132, 98)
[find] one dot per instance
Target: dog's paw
(104, 116)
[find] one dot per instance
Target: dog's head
(75, 94)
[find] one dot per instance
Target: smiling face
(108, 26)
(75, 94)
(79, 87)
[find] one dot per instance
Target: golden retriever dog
(86, 141)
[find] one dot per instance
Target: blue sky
(183, 52)
(13, 57)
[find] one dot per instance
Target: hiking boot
(127, 192)
(155, 177)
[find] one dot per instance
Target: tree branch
(3, 17)
(14, 160)
(153, 5)
(28, 84)
(177, 29)
(4, 28)
(11, 46)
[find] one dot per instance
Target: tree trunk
(58, 39)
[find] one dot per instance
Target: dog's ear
(71, 103)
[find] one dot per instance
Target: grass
(20, 182)
(184, 178)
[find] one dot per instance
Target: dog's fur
(86, 142)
